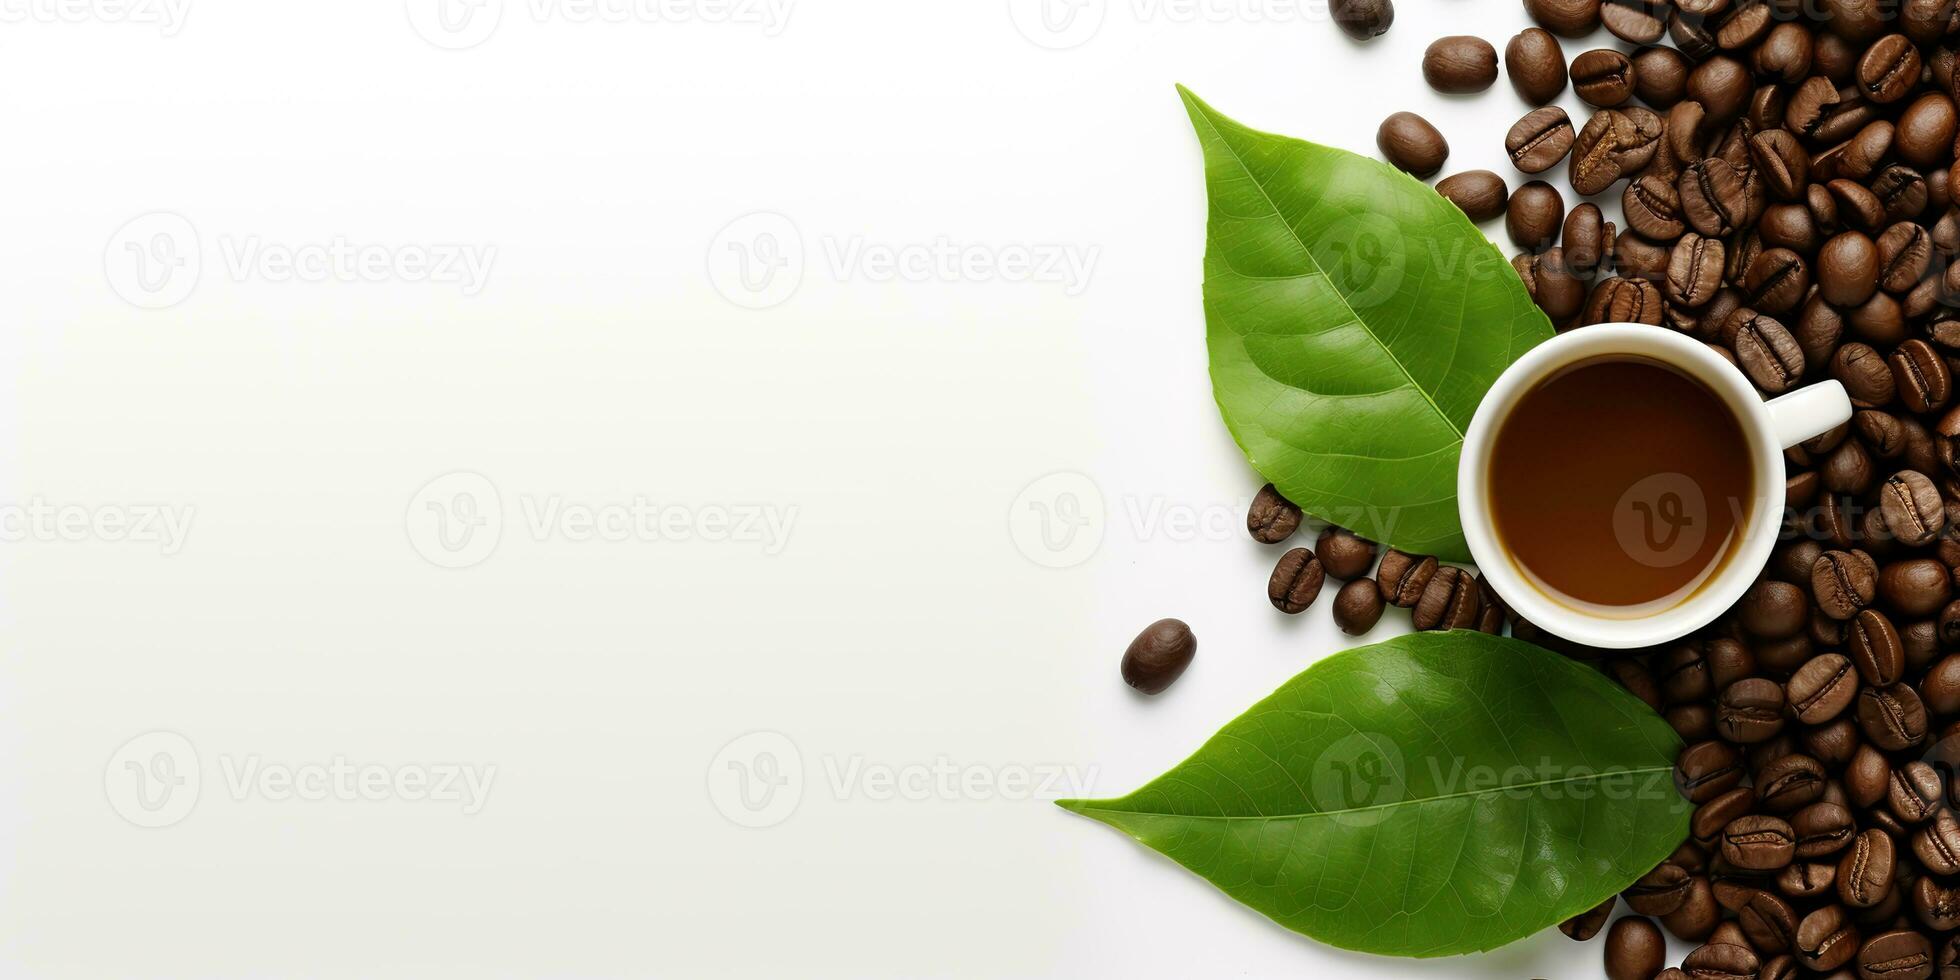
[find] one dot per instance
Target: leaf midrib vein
(1273, 206)
(1644, 771)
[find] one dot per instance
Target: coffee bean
(1660, 76)
(1617, 300)
(1916, 587)
(1412, 144)
(1566, 18)
(1273, 518)
(1585, 925)
(1905, 252)
(1868, 777)
(1821, 689)
(1698, 916)
(1865, 873)
(1715, 199)
(1844, 583)
(1766, 352)
(1694, 270)
(1706, 770)
(1897, 955)
(1921, 377)
(1823, 829)
(1479, 194)
(1403, 577)
(1585, 239)
(1653, 208)
(1826, 940)
(1459, 64)
(1540, 140)
(1660, 891)
(1634, 949)
(1936, 906)
(1759, 843)
(1790, 783)
(1776, 281)
(1637, 258)
(1603, 77)
(1722, 961)
(1866, 377)
(1344, 554)
(1358, 606)
(1916, 792)
(1857, 206)
(1940, 689)
(1533, 216)
(1296, 581)
(1875, 649)
(1535, 62)
(1914, 512)
(1449, 602)
(1750, 711)
(1782, 162)
(1712, 817)
(1902, 190)
(1889, 69)
(1926, 129)
(1937, 845)
(1159, 655)
(1785, 53)
(1635, 21)
(1558, 288)
(1892, 718)
(1363, 19)
(1607, 147)
(1773, 610)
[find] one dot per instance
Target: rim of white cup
(1745, 559)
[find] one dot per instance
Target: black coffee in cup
(1620, 485)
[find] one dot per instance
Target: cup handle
(1808, 412)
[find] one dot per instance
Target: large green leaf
(1439, 793)
(1355, 319)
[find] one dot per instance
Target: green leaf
(1355, 319)
(1436, 794)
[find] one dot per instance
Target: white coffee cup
(1769, 427)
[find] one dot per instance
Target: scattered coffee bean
(1159, 655)
(1358, 606)
(1535, 62)
(1403, 577)
(1272, 518)
(1449, 602)
(1296, 581)
(1363, 19)
(1603, 77)
(1533, 215)
(1537, 142)
(1412, 144)
(1479, 194)
(1634, 949)
(1459, 64)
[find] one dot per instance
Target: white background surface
(892, 426)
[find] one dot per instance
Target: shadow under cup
(1619, 486)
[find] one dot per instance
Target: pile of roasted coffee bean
(1438, 596)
